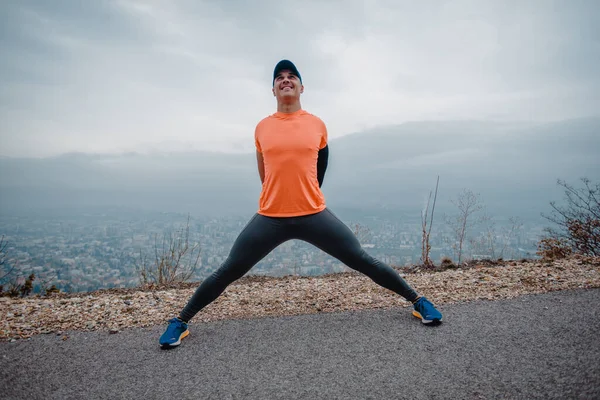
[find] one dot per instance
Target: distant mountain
(199, 181)
(513, 166)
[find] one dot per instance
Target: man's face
(287, 86)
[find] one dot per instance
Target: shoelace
(422, 305)
(177, 322)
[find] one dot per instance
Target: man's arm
(261, 166)
(322, 161)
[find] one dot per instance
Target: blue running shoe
(176, 331)
(424, 310)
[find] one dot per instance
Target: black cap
(286, 64)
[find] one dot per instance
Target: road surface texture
(532, 347)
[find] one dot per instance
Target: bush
(447, 263)
(27, 286)
(551, 248)
(52, 289)
(176, 260)
(578, 223)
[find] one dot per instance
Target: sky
(112, 76)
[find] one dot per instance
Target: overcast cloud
(125, 75)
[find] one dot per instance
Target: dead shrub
(577, 222)
(551, 248)
(447, 263)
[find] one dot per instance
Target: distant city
(86, 251)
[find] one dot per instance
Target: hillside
(254, 297)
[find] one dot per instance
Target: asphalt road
(533, 347)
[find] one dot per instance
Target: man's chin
(288, 97)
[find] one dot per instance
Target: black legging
(263, 234)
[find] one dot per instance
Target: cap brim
(286, 65)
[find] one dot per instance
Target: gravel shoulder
(252, 297)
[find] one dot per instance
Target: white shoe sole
(177, 343)
(426, 321)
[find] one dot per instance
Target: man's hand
(261, 166)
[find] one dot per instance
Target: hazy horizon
(117, 76)
(515, 169)
(399, 130)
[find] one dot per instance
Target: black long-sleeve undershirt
(322, 161)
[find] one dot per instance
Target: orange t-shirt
(289, 143)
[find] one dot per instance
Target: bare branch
(426, 231)
(3, 259)
(468, 204)
(578, 222)
(175, 260)
(433, 208)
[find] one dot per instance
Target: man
(292, 154)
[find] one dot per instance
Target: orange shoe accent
(417, 314)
